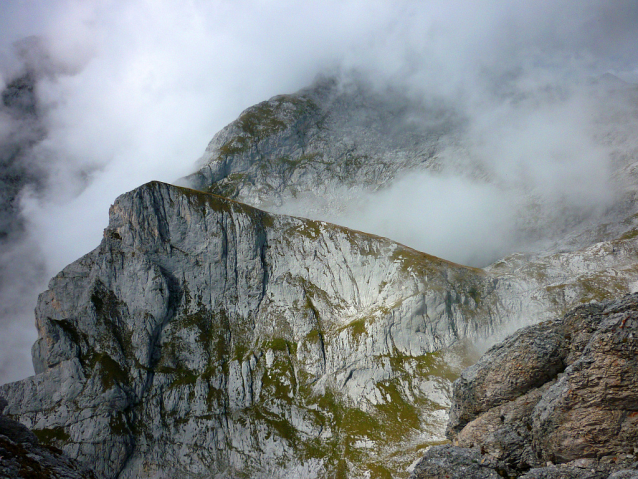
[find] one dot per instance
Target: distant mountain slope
(317, 152)
(326, 142)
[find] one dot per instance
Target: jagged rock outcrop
(325, 143)
(22, 455)
(207, 338)
(563, 392)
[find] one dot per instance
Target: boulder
(554, 400)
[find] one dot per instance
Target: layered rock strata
(559, 399)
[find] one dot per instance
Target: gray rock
(448, 462)
(625, 474)
(558, 472)
(205, 337)
(312, 152)
(273, 340)
(21, 455)
(562, 392)
(524, 361)
(592, 410)
(504, 432)
(324, 144)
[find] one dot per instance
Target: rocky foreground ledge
(554, 400)
(22, 455)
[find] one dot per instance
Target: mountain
(270, 339)
(207, 338)
(286, 346)
(325, 144)
(331, 150)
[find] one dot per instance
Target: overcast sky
(132, 91)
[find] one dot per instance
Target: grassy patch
(629, 235)
(234, 146)
(314, 336)
(110, 372)
(397, 411)
(183, 377)
(281, 344)
(307, 229)
(262, 120)
(51, 435)
(356, 327)
(413, 261)
(280, 425)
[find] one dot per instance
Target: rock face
(328, 142)
(21, 455)
(204, 337)
(207, 338)
(563, 392)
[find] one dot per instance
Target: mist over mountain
(25, 170)
(454, 171)
(99, 97)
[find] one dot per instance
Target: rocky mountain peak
(205, 337)
(329, 140)
(269, 338)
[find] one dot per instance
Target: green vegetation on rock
(52, 436)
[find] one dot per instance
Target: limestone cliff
(207, 338)
(204, 337)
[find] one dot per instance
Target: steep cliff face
(204, 337)
(325, 143)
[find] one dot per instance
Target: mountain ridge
(134, 328)
(350, 351)
(286, 346)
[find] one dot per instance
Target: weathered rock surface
(21, 455)
(314, 153)
(207, 338)
(449, 462)
(325, 144)
(563, 392)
